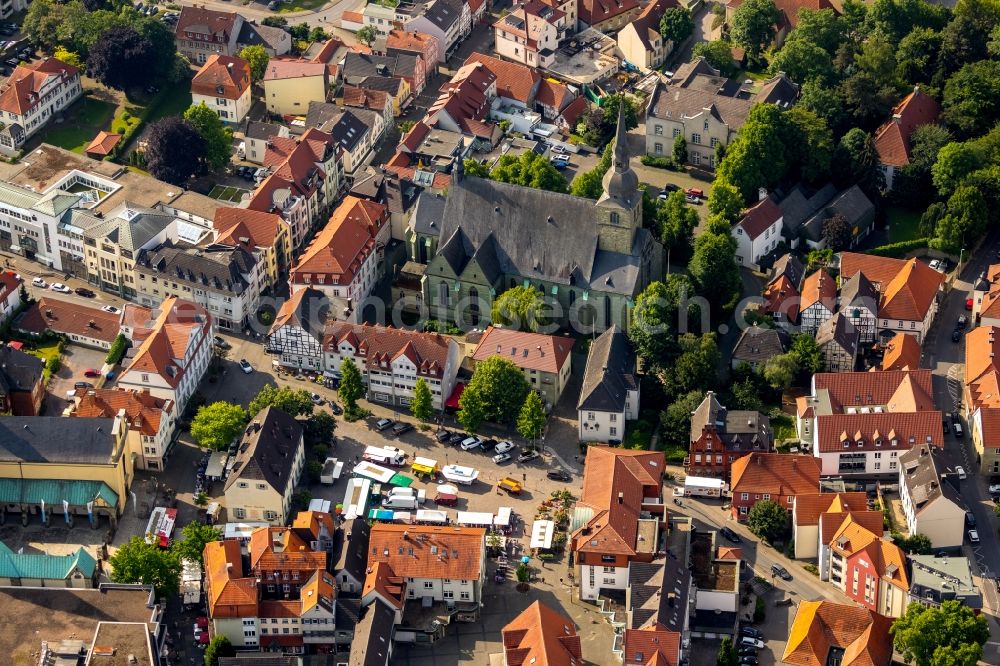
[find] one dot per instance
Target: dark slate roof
(428, 214)
(373, 634)
(309, 309)
(444, 14)
(217, 267)
(259, 659)
(350, 551)
(800, 205)
(322, 115)
(709, 412)
(859, 291)
(19, 371)
(252, 34)
(790, 266)
(54, 439)
(778, 90)
(851, 203)
(369, 65)
(267, 449)
(382, 83)
(348, 613)
(536, 235)
(610, 373)
(352, 125)
(757, 344)
(838, 330)
(261, 131)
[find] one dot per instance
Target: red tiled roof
(819, 287)
(791, 8)
(809, 506)
(454, 553)
(615, 482)
(205, 22)
(759, 217)
(571, 114)
(415, 136)
(341, 247)
(528, 351)
(831, 521)
(775, 474)
(879, 270)
(555, 95)
(222, 76)
(902, 353)
(281, 549)
(911, 293)
(9, 284)
(411, 41)
(51, 314)
(821, 625)
(143, 410)
(892, 140)
(593, 12)
(382, 579)
(229, 594)
(366, 98)
(540, 636)
(842, 432)
(21, 90)
(103, 144)
(897, 390)
(258, 227)
(647, 24)
(781, 296)
(654, 645)
(383, 344)
(163, 347)
(278, 69)
(464, 97)
(514, 81)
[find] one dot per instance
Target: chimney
(761, 193)
(621, 497)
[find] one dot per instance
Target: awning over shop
(54, 491)
(401, 480)
(216, 465)
(503, 516)
(456, 393)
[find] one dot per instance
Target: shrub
(117, 350)
(759, 611)
(523, 573)
(811, 568)
(658, 162)
(53, 365)
(899, 249)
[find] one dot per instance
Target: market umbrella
(525, 559)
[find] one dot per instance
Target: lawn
(904, 225)
(80, 124)
(783, 428)
(226, 193)
(46, 352)
(638, 435)
(172, 101)
(301, 5)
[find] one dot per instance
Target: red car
(90, 372)
(968, 304)
(695, 192)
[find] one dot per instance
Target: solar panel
(189, 233)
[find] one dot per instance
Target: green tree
(217, 138)
(725, 201)
(780, 371)
(475, 168)
(654, 320)
(676, 221)
(752, 26)
(219, 647)
(718, 53)
(257, 58)
(589, 183)
(68, 57)
(598, 127)
(714, 269)
(294, 402)
(676, 25)
(917, 54)
(917, 544)
(803, 61)
(675, 420)
(971, 102)
(350, 390)
(825, 101)
(727, 653)
(471, 409)
(422, 404)
(531, 420)
(696, 367)
(807, 353)
(857, 161)
(768, 520)
(530, 170)
(824, 28)
(809, 145)
(926, 634)
(215, 426)
(196, 535)
(174, 151)
(502, 386)
(680, 150)
(520, 308)
(746, 395)
(117, 349)
(954, 162)
(121, 59)
(366, 35)
(756, 157)
(837, 232)
(139, 562)
(967, 218)
(318, 429)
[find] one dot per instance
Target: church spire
(620, 150)
(621, 184)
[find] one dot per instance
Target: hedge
(117, 350)
(658, 162)
(901, 248)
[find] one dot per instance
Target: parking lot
(76, 360)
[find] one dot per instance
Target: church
(591, 257)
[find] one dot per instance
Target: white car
(504, 447)
(995, 489)
(501, 458)
(110, 308)
(39, 282)
(245, 366)
(748, 641)
(937, 265)
(470, 443)
(973, 536)
(960, 471)
(60, 287)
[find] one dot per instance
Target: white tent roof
(541, 533)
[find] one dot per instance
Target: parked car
(317, 399)
(748, 660)
(752, 632)
(83, 291)
(501, 458)
(245, 366)
(457, 437)
(962, 322)
(335, 408)
(512, 486)
(695, 192)
(968, 304)
(691, 199)
(560, 163)
(39, 282)
(112, 309)
(442, 436)
(994, 489)
(744, 651)
(973, 536)
(470, 443)
(83, 385)
(751, 642)
(956, 335)
(559, 475)
(401, 429)
(220, 343)
(383, 424)
(91, 372)
(60, 287)
(730, 536)
(970, 519)
(945, 426)
(527, 456)
(780, 571)
(504, 447)
(960, 471)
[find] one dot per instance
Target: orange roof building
(607, 530)
(982, 394)
(892, 140)
(540, 636)
(544, 359)
(771, 476)
(867, 568)
(152, 420)
(84, 325)
(223, 85)
(264, 234)
(103, 144)
(654, 645)
(902, 352)
(824, 630)
(819, 300)
(29, 99)
(816, 515)
(172, 353)
(782, 300)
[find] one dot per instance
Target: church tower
(619, 209)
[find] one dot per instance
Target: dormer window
(860, 443)
(878, 442)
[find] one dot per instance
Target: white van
(957, 427)
(403, 501)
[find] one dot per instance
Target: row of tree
(499, 393)
(137, 561)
